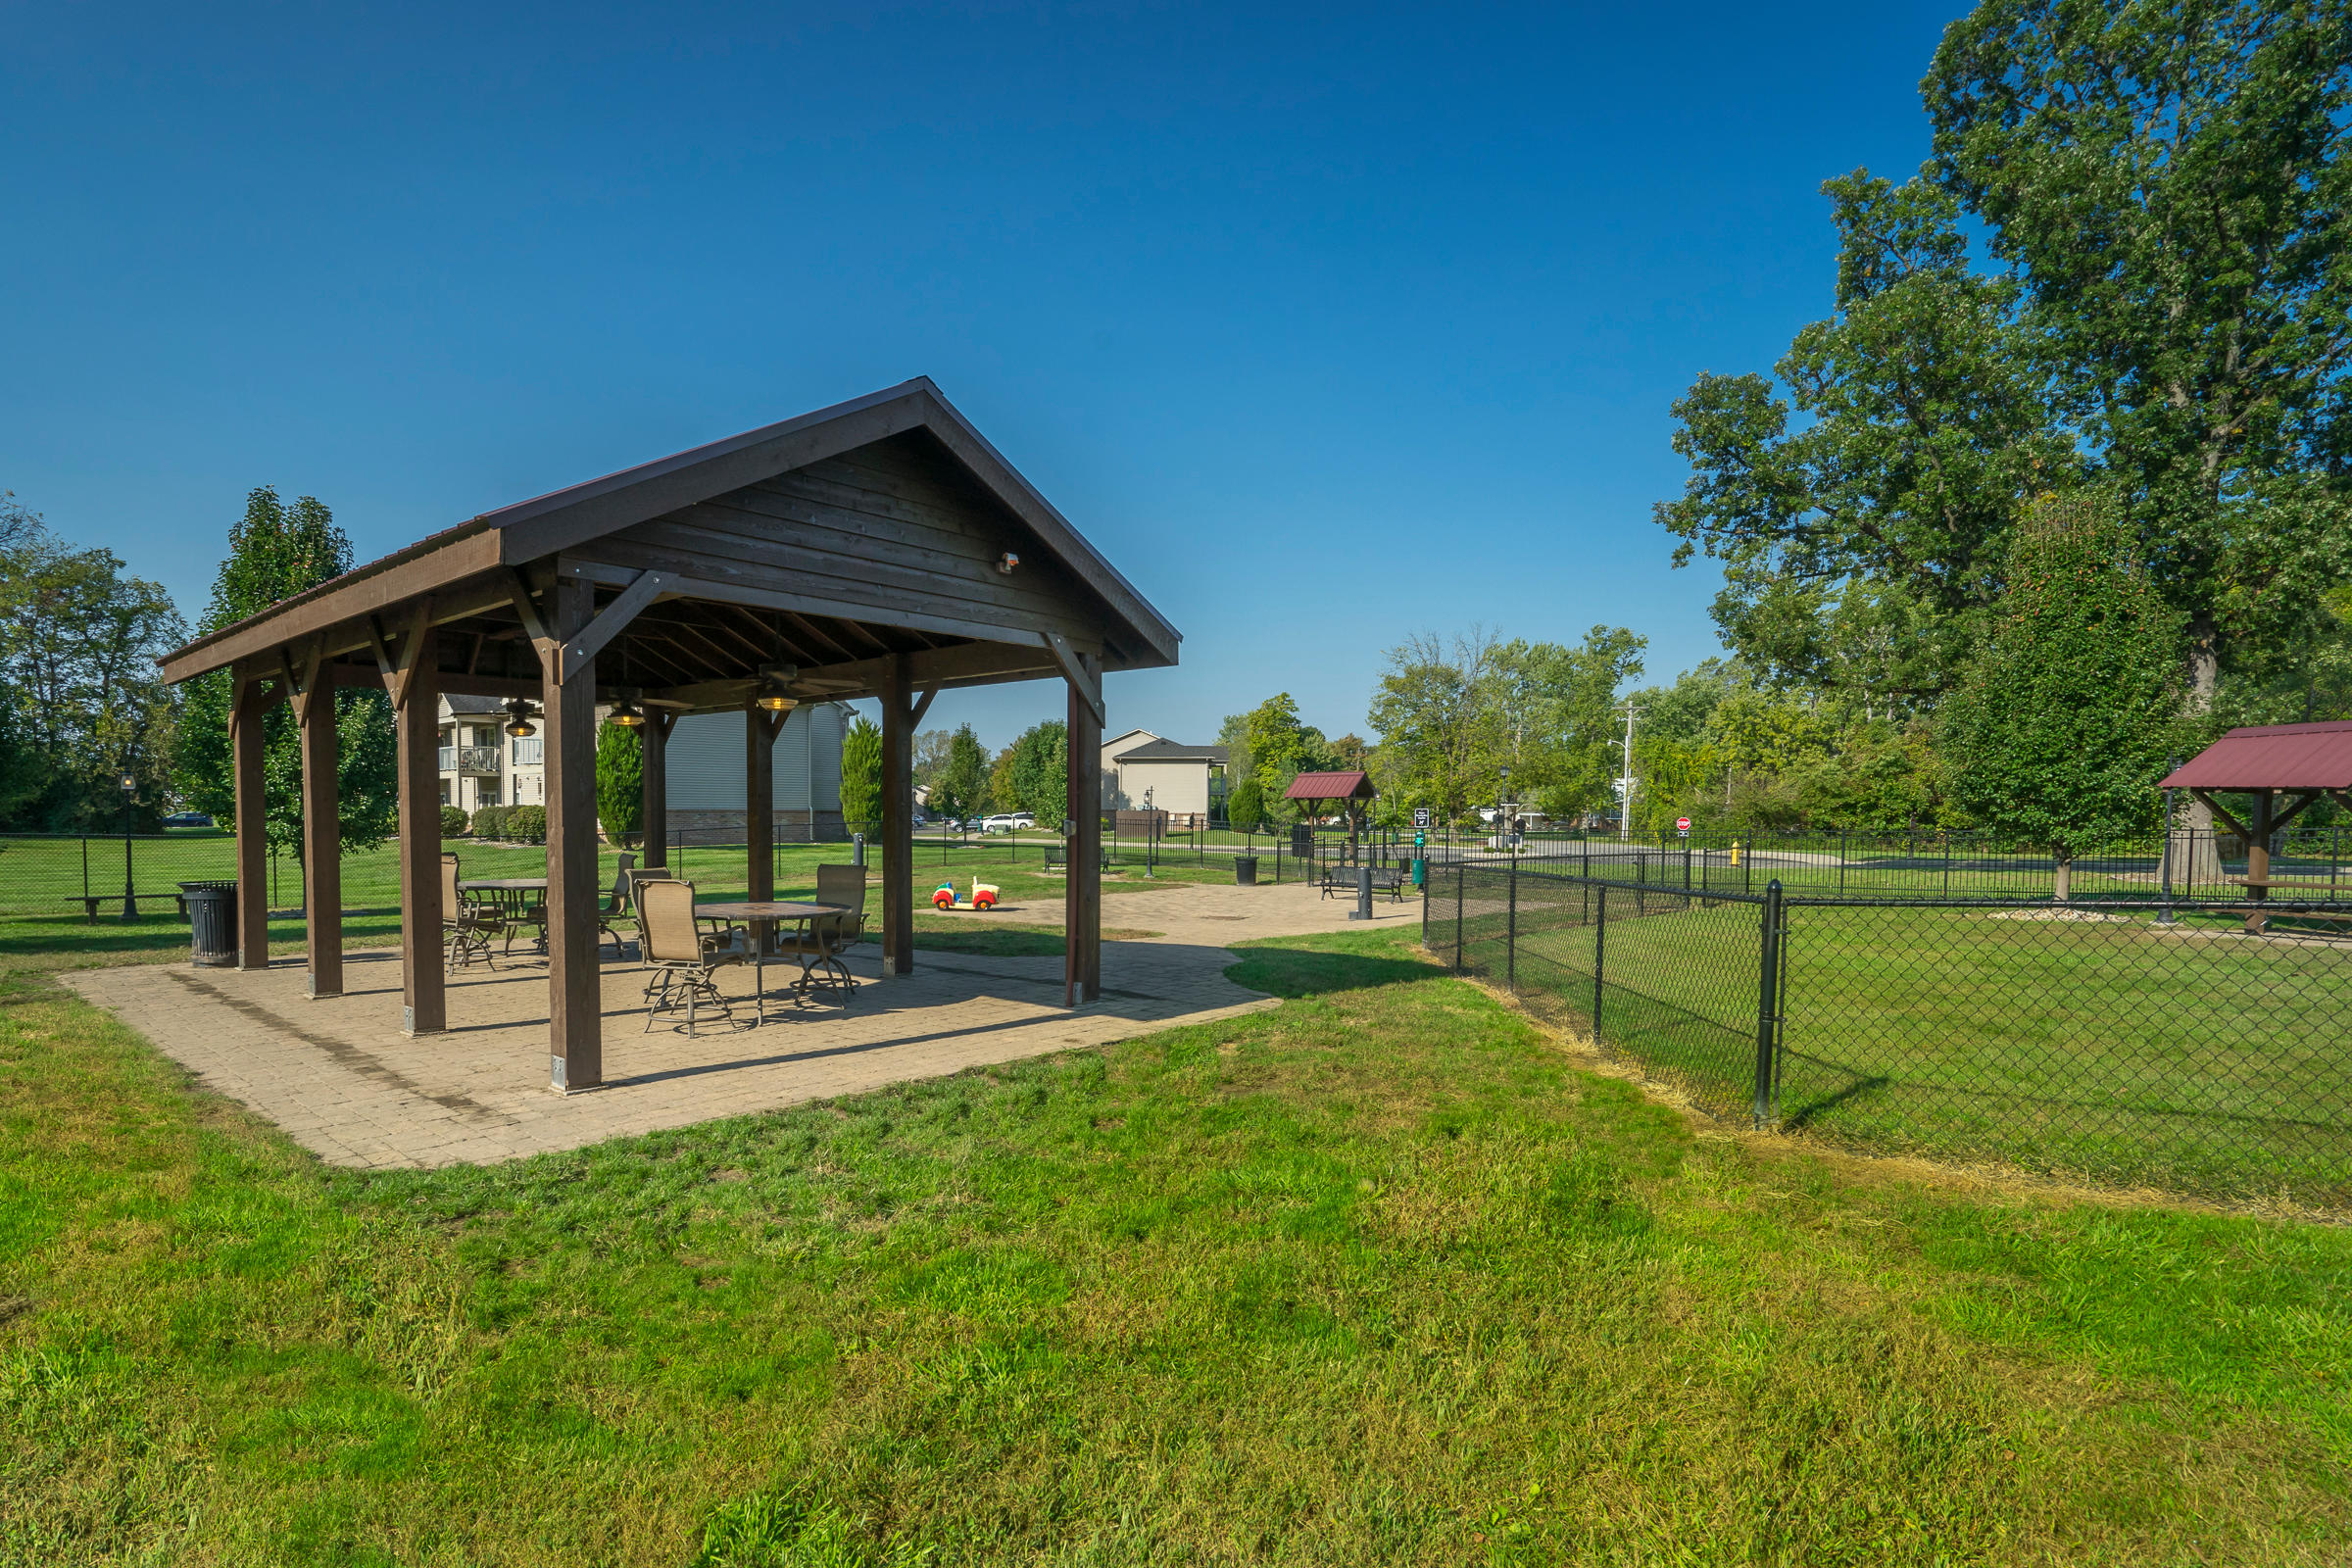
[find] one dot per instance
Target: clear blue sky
(1326, 326)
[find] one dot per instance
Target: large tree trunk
(2062, 880)
(2197, 859)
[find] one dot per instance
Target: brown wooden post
(898, 821)
(245, 736)
(574, 984)
(654, 851)
(1082, 887)
(321, 833)
(760, 730)
(2258, 854)
(417, 717)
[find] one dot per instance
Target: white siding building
(706, 775)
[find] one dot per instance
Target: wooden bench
(1057, 858)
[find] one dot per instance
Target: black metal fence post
(1510, 929)
(1600, 949)
(1768, 1001)
(1460, 874)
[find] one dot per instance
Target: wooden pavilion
(2283, 769)
(879, 548)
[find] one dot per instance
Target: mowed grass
(2187, 1057)
(1375, 1276)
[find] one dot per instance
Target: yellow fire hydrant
(1735, 854)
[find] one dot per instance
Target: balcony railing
(470, 760)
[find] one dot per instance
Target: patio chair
(685, 961)
(819, 951)
(466, 927)
(617, 909)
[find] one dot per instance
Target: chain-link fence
(2174, 1047)
(2312, 863)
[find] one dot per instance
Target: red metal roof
(1329, 786)
(2272, 757)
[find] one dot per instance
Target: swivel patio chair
(685, 963)
(819, 951)
(618, 912)
(466, 927)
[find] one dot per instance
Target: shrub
(489, 822)
(1246, 807)
(861, 777)
(453, 822)
(620, 781)
(527, 824)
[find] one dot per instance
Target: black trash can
(1302, 842)
(213, 922)
(1245, 870)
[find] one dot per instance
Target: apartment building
(483, 765)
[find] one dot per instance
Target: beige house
(1188, 782)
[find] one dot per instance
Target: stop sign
(1682, 824)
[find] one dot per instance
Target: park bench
(1057, 859)
(90, 901)
(1385, 879)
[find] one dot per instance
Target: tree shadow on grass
(1307, 966)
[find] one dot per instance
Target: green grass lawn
(1375, 1277)
(2187, 1058)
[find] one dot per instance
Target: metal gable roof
(1330, 786)
(2272, 757)
(544, 525)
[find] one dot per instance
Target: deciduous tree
(2070, 699)
(274, 552)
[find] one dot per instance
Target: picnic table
(2258, 889)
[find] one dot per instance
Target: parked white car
(1001, 822)
(1024, 819)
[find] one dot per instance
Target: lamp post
(130, 896)
(1502, 812)
(1150, 830)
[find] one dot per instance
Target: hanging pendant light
(518, 719)
(773, 681)
(626, 713)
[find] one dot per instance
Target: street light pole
(130, 893)
(1625, 804)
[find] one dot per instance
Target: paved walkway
(337, 1074)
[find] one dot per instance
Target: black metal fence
(2123, 1043)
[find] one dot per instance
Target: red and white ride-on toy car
(984, 896)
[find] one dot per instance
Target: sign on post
(1421, 817)
(1682, 826)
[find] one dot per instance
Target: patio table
(511, 897)
(762, 914)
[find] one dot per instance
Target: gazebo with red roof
(2301, 762)
(1351, 787)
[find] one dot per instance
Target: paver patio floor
(339, 1077)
